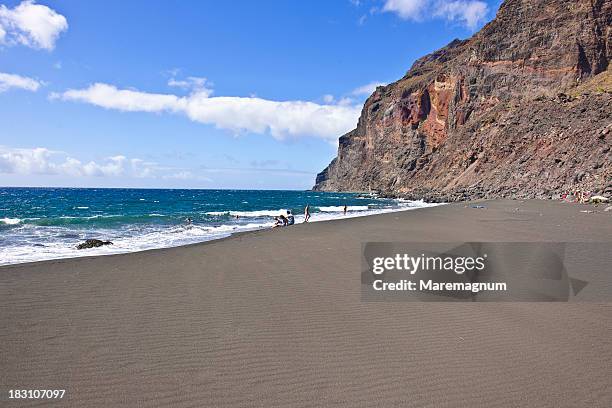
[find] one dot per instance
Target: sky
(201, 94)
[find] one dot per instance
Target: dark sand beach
(274, 318)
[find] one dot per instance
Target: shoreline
(583, 206)
(276, 318)
(222, 236)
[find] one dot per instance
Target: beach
(275, 318)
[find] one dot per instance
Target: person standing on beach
(345, 208)
(307, 213)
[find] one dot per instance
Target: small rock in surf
(93, 243)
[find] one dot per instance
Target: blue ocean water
(48, 223)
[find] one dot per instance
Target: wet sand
(275, 318)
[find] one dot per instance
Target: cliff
(522, 109)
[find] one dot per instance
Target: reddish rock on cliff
(521, 109)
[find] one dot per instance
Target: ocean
(47, 223)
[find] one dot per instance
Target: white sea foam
(276, 213)
(340, 208)
(256, 213)
(45, 244)
(60, 241)
(10, 221)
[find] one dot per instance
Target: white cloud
(328, 98)
(42, 161)
(195, 84)
(112, 166)
(367, 89)
(345, 101)
(109, 97)
(406, 9)
(281, 119)
(8, 81)
(30, 24)
(467, 12)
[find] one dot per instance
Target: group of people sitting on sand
(284, 220)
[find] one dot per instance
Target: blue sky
(200, 94)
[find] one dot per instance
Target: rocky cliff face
(521, 109)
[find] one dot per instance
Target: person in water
(307, 213)
(345, 208)
(189, 221)
(290, 218)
